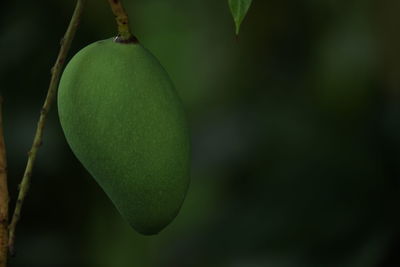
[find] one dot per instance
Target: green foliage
(125, 123)
(239, 9)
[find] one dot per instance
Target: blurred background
(295, 130)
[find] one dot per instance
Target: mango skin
(125, 123)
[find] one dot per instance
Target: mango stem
(121, 17)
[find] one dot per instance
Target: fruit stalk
(121, 17)
(37, 141)
(3, 197)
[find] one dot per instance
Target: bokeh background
(295, 128)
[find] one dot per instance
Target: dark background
(295, 130)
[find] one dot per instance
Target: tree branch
(3, 196)
(121, 17)
(37, 141)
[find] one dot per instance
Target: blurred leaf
(239, 10)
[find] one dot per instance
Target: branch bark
(121, 17)
(4, 198)
(37, 141)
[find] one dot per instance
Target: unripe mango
(125, 123)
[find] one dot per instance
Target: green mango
(124, 121)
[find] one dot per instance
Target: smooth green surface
(124, 121)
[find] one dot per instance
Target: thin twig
(3, 196)
(124, 32)
(37, 141)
